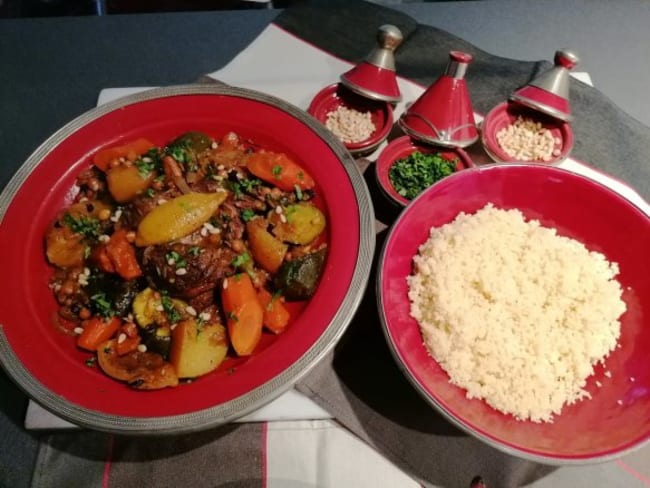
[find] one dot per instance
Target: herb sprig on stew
(413, 174)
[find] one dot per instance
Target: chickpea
(104, 214)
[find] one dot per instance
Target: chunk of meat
(185, 271)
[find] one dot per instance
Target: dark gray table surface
(51, 70)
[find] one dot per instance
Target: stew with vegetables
(173, 258)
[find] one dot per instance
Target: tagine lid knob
(375, 76)
(549, 92)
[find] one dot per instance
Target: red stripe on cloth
(265, 427)
(633, 472)
(108, 460)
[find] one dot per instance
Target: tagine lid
(375, 76)
(443, 114)
(549, 92)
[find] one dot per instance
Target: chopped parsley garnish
(250, 185)
(145, 167)
(148, 163)
(235, 187)
(277, 171)
(411, 175)
(150, 192)
(102, 305)
(240, 260)
(179, 153)
(232, 316)
(176, 259)
(90, 362)
(247, 215)
(86, 226)
(194, 250)
(168, 306)
(299, 194)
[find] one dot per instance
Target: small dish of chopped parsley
(416, 172)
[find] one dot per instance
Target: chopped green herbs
(247, 215)
(232, 316)
(249, 185)
(148, 163)
(194, 251)
(299, 194)
(150, 192)
(168, 306)
(277, 171)
(241, 260)
(411, 175)
(86, 226)
(102, 305)
(179, 153)
(173, 258)
(90, 362)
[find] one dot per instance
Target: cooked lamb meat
(187, 271)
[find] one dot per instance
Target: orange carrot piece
(276, 315)
(121, 254)
(97, 330)
(131, 339)
(244, 313)
(279, 170)
(102, 159)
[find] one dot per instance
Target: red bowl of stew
(44, 358)
(400, 149)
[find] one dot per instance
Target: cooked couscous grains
(515, 314)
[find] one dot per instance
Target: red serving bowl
(45, 362)
(505, 114)
(403, 147)
(381, 114)
(617, 419)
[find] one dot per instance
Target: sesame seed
(214, 145)
(160, 308)
(632, 379)
(78, 330)
(104, 238)
(191, 310)
(599, 384)
(608, 374)
(225, 283)
(147, 159)
(181, 271)
(203, 232)
(161, 201)
(87, 271)
(142, 348)
(283, 219)
(172, 327)
(221, 167)
(620, 402)
(205, 316)
(170, 261)
(121, 338)
(278, 209)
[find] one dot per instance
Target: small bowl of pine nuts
(360, 123)
(512, 132)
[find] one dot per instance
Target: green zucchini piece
(298, 278)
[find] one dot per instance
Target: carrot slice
(102, 159)
(121, 255)
(96, 331)
(276, 315)
(279, 170)
(244, 313)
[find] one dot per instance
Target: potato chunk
(197, 349)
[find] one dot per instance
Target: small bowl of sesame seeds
(360, 123)
(512, 132)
